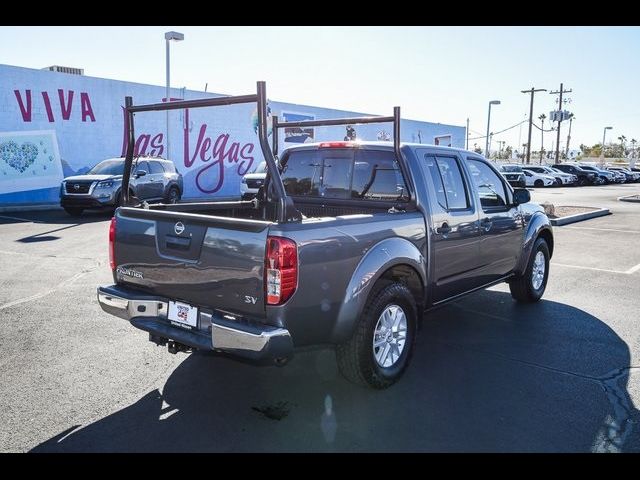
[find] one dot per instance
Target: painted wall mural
(55, 125)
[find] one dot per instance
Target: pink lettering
(156, 144)
(244, 154)
(65, 109)
(24, 110)
(47, 106)
(85, 104)
(141, 144)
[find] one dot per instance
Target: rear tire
(390, 313)
(74, 211)
(538, 183)
(530, 286)
(173, 195)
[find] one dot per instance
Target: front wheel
(382, 344)
(538, 183)
(530, 286)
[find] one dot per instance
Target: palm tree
(633, 147)
(622, 139)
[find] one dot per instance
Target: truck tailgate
(206, 261)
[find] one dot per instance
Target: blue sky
(440, 74)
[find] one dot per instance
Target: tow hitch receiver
(175, 347)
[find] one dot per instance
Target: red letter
(87, 111)
(206, 145)
(26, 112)
(189, 161)
(141, 144)
(65, 109)
(156, 143)
(244, 152)
(47, 106)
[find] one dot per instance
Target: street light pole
(486, 148)
(168, 36)
(604, 134)
(542, 118)
(532, 91)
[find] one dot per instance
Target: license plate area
(183, 315)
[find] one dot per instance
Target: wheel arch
(393, 259)
(539, 226)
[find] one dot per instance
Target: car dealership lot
(488, 374)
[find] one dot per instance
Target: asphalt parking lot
(562, 375)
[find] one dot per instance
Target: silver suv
(152, 179)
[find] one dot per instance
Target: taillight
(112, 242)
(337, 144)
(281, 269)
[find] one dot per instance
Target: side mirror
(520, 196)
(141, 173)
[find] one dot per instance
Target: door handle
(443, 229)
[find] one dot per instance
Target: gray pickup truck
(346, 245)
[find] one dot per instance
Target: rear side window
(452, 182)
(490, 187)
(377, 176)
(156, 167)
(169, 167)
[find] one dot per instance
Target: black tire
(356, 357)
(582, 181)
(538, 183)
(521, 287)
(173, 195)
(74, 211)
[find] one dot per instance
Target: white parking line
(602, 229)
(46, 292)
(627, 272)
(21, 219)
(633, 269)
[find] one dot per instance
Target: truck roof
(384, 144)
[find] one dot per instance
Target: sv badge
(250, 299)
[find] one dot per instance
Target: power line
(501, 131)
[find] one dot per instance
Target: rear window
(344, 173)
(377, 176)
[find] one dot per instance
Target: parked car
(513, 174)
(607, 177)
(152, 178)
(630, 175)
(251, 182)
(584, 177)
(560, 177)
(354, 241)
(535, 179)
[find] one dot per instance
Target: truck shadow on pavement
(487, 375)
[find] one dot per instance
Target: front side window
(490, 187)
(142, 166)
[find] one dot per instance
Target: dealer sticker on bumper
(183, 313)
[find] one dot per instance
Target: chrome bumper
(264, 344)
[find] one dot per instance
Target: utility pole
(569, 136)
(561, 91)
(467, 145)
(532, 92)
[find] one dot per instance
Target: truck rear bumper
(262, 344)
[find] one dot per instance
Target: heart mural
(18, 157)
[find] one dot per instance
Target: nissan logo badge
(76, 187)
(178, 228)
